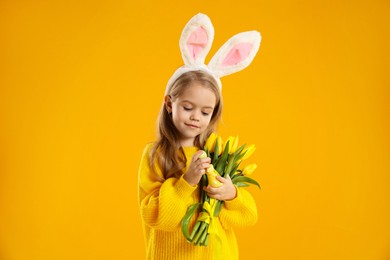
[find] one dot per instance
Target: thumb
(228, 178)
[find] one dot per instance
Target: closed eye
(187, 108)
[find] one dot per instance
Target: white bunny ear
(196, 39)
(236, 54)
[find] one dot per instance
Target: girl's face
(191, 112)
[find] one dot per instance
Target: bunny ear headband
(195, 43)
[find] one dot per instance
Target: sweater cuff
(235, 203)
(183, 188)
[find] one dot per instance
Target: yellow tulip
(227, 140)
(233, 143)
(210, 143)
(219, 145)
(249, 151)
(249, 169)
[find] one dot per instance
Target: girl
(171, 169)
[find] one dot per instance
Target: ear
(236, 54)
(168, 104)
(196, 39)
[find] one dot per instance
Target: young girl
(171, 169)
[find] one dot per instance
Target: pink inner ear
(238, 53)
(197, 42)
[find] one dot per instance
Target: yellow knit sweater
(163, 204)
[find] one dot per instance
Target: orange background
(81, 86)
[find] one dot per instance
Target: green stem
(203, 183)
(199, 233)
(206, 242)
(203, 237)
(196, 227)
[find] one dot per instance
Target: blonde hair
(167, 151)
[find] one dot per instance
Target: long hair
(167, 151)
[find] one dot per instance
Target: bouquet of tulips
(226, 158)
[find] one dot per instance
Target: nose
(195, 116)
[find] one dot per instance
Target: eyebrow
(194, 104)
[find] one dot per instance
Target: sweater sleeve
(239, 212)
(163, 203)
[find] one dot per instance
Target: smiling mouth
(192, 126)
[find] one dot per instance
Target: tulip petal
(210, 143)
(220, 142)
(249, 169)
(249, 151)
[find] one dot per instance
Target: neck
(187, 143)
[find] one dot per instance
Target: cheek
(175, 111)
(207, 121)
(178, 114)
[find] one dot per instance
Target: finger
(202, 171)
(200, 162)
(222, 179)
(215, 196)
(203, 165)
(212, 190)
(212, 195)
(205, 160)
(207, 190)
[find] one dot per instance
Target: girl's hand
(197, 168)
(226, 192)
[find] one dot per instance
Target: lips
(191, 125)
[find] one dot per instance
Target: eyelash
(189, 109)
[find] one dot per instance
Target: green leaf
(240, 156)
(235, 170)
(218, 208)
(222, 161)
(186, 220)
(245, 179)
(239, 149)
(216, 151)
(232, 162)
(235, 176)
(241, 184)
(229, 166)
